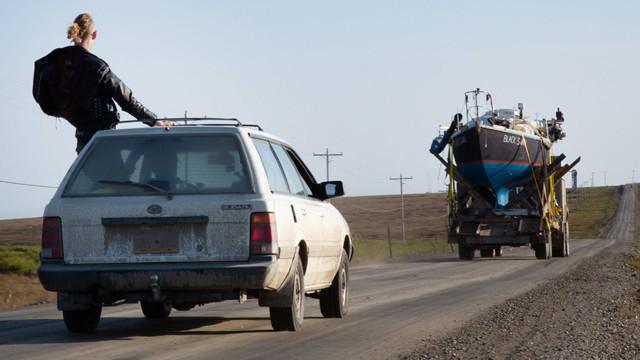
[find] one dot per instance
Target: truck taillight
(263, 233)
(51, 238)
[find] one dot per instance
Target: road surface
(393, 307)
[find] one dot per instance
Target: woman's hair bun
(81, 28)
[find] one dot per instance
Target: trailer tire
(466, 252)
(567, 244)
(561, 246)
(486, 252)
(498, 251)
(543, 248)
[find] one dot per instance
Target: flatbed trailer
(537, 216)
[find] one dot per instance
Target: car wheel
(290, 318)
(82, 320)
(334, 300)
(156, 309)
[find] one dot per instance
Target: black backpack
(46, 80)
(54, 77)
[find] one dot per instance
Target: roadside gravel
(590, 312)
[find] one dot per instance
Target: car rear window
(175, 164)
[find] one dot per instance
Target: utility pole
(402, 179)
(604, 175)
(327, 157)
(633, 176)
(592, 179)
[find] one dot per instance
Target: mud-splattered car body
(182, 217)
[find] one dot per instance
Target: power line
(327, 155)
(402, 179)
(25, 184)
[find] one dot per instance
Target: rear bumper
(257, 273)
(490, 240)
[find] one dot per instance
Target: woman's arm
(121, 93)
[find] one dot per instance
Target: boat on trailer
(498, 149)
(505, 186)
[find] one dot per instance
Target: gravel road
(590, 312)
(394, 307)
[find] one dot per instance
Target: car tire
(156, 309)
(78, 321)
(334, 300)
(291, 318)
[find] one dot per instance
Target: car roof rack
(198, 122)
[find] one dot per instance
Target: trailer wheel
(543, 247)
(486, 252)
(561, 246)
(466, 252)
(566, 239)
(498, 251)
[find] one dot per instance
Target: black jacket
(85, 89)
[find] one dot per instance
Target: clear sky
(371, 79)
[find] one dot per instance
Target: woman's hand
(164, 123)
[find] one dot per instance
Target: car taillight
(51, 238)
(263, 233)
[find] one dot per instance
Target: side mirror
(331, 189)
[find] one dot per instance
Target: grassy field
(373, 220)
(20, 231)
(590, 210)
(19, 259)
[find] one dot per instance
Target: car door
(326, 252)
(289, 227)
(313, 221)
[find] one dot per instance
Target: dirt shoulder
(17, 291)
(591, 312)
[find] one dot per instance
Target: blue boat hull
(495, 159)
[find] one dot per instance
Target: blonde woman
(78, 86)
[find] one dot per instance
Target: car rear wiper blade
(138, 184)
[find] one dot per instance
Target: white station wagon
(190, 215)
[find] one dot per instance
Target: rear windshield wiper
(138, 184)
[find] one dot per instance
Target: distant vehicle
(199, 213)
(505, 189)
